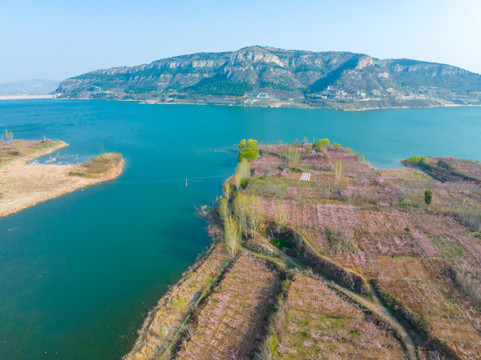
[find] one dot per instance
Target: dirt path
(378, 308)
(23, 185)
(375, 306)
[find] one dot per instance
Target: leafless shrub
(291, 156)
(468, 277)
(469, 216)
(281, 217)
(271, 190)
(342, 239)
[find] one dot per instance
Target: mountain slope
(267, 76)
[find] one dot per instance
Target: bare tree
(227, 190)
(232, 236)
(337, 171)
(249, 212)
(291, 156)
(281, 216)
(243, 169)
(224, 211)
(241, 206)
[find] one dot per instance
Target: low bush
(414, 160)
(281, 243)
(291, 156)
(428, 197)
(321, 144)
(342, 240)
(468, 278)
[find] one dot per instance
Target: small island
(24, 184)
(316, 254)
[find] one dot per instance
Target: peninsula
(272, 77)
(24, 183)
(318, 255)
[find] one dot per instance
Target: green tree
(252, 143)
(321, 143)
(242, 144)
(414, 160)
(428, 197)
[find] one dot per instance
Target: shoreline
(26, 97)
(303, 106)
(26, 185)
(161, 326)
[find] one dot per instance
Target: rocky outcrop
(314, 78)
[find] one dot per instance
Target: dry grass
(24, 184)
(468, 277)
(10, 150)
(99, 166)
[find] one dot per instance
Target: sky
(53, 39)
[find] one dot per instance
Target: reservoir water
(79, 273)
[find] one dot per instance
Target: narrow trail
(378, 308)
(375, 306)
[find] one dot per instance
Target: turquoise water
(78, 273)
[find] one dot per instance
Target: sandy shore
(23, 185)
(26, 97)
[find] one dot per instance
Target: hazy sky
(56, 39)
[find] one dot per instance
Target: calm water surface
(78, 273)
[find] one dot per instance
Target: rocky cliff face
(321, 78)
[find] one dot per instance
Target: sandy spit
(23, 185)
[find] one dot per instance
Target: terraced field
(230, 325)
(351, 262)
(320, 324)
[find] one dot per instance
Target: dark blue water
(78, 273)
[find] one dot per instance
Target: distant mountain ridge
(269, 76)
(29, 87)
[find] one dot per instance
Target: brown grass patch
(436, 224)
(401, 268)
(100, 166)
